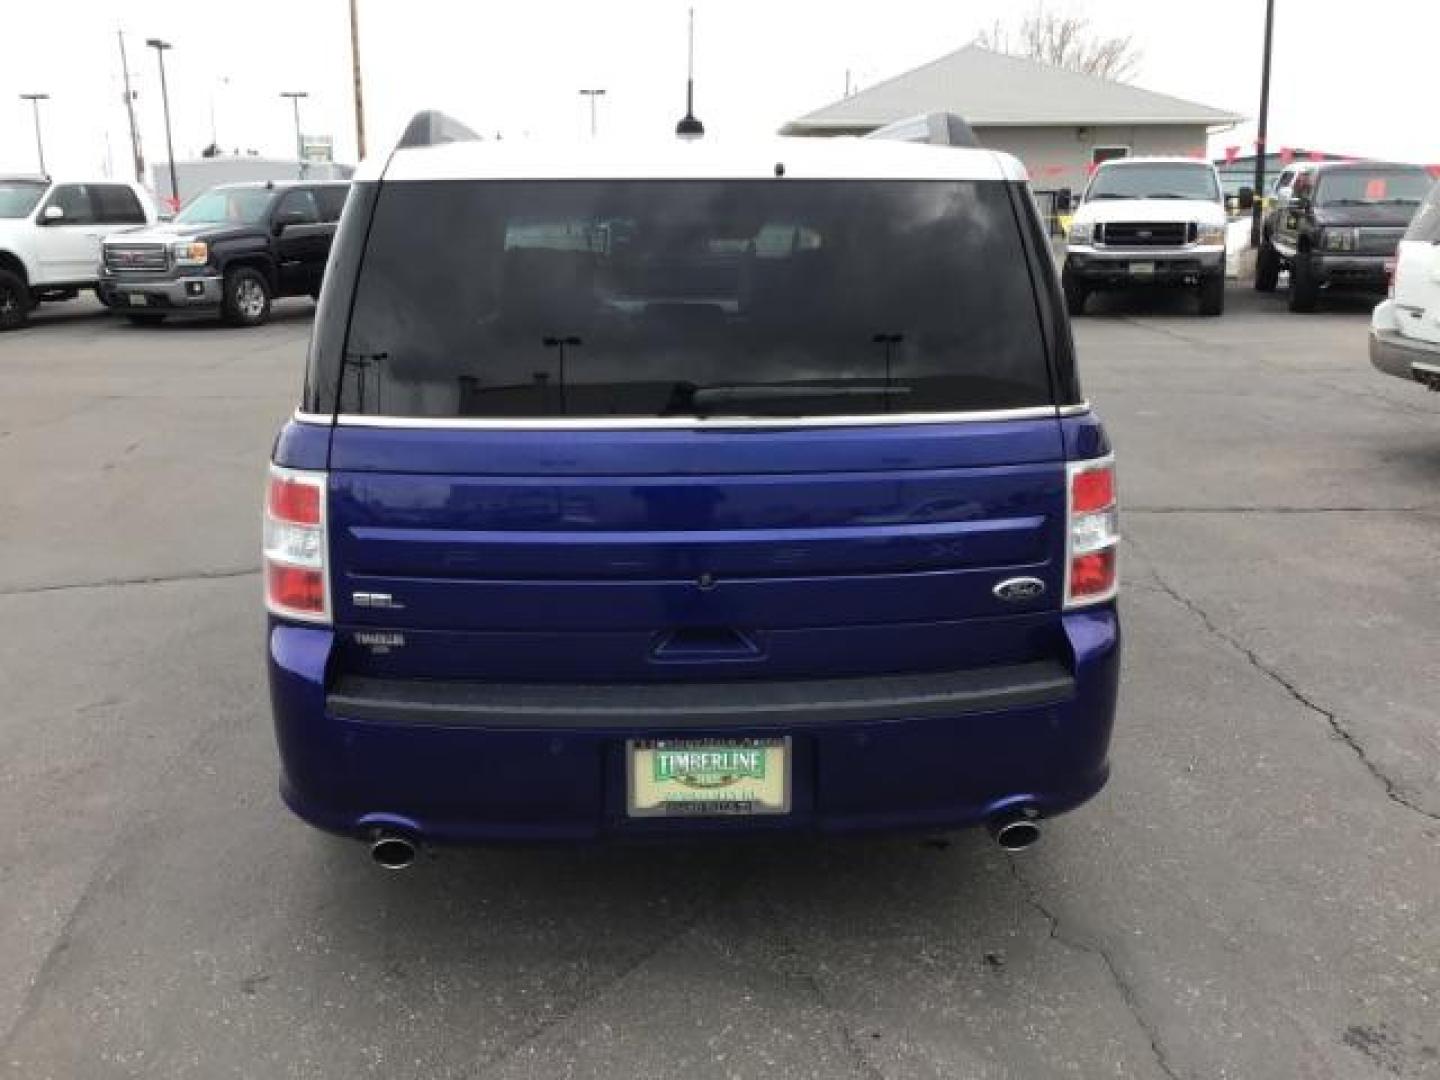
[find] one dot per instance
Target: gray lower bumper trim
(668, 706)
(1396, 355)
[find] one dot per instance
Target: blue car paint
(593, 546)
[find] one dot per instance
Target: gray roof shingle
(993, 89)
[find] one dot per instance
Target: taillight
(1091, 572)
(294, 547)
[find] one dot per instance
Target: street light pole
(35, 100)
(1262, 126)
(295, 96)
(592, 95)
(160, 48)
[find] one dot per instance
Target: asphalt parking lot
(1257, 893)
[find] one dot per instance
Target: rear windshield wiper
(705, 398)
(1112, 195)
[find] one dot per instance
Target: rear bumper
(463, 764)
(1394, 354)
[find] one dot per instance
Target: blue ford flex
(690, 489)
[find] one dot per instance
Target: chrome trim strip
(673, 423)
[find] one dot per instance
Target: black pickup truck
(1337, 223)
(232, 250)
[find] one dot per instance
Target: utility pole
(355, 68)
(295, 96)
(592, 95)
(160, 48)
(130, 111)
(35, 100)
(1258, 213)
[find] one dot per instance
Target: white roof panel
(702, 159)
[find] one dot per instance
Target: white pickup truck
(50, 234)
(1149, 221)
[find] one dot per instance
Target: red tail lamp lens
(294, 502)
(1093, 574)
(1094, 489)
(296, 588)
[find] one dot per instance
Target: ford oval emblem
(1017, 589)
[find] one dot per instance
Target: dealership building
(1058, 122)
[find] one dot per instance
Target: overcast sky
(1348, 77)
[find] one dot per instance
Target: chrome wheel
(249, 299)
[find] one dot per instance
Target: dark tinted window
(74, 199)
(298, 205)
(116, 204)
(683, 298)
(331, 200)
(1353, 187)
(1426, 226)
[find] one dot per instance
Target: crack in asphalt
(796, 964)
(115, 583)
(1332, 720)
(1173, 335)
(586, 999)
(1127, 992)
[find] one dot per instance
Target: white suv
(50, 234)
(1149, 221)
(1405, 330)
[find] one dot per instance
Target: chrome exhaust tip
(1015, 832)
(392, 852)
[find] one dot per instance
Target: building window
(1101, 154)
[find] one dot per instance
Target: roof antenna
(689, 127)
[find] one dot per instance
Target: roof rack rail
(432, 128)
(936, 129)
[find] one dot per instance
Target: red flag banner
(1231, 153)
(1286, 155)
(1317, 155)
(1434, 170)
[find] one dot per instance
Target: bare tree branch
(1066, 41)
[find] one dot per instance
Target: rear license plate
(138, 300)
(1142, 269)
(708, 777)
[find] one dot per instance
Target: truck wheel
(1304, 289)
(1075, 295)
(14, 301)
(1267, 268)
(247, 297)
(1212, 295)
(145, 318)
